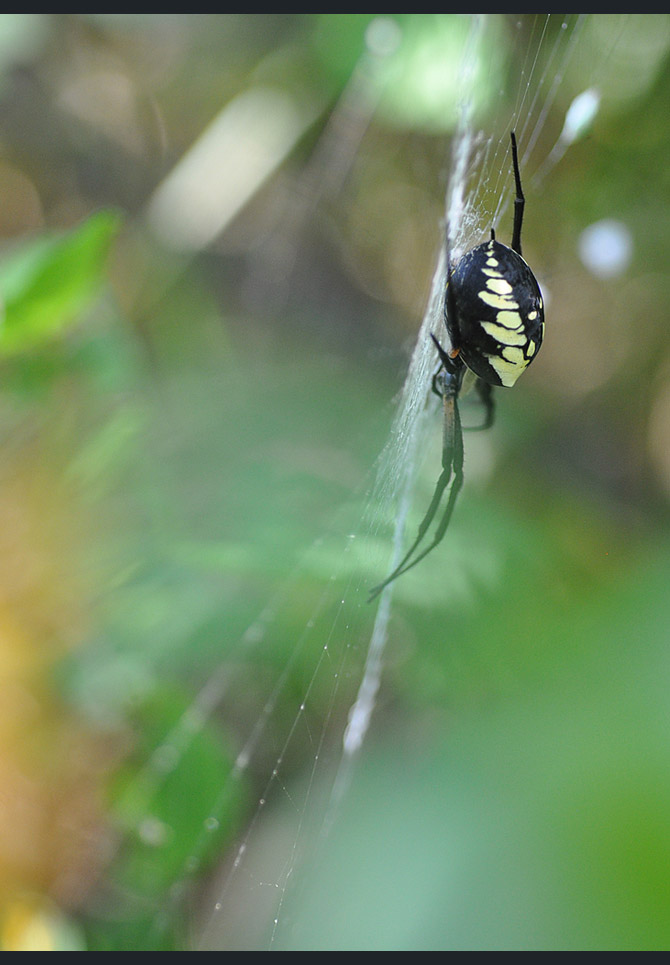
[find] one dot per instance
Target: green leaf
(47, 283)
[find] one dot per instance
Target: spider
(494, 316)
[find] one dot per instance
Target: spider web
(257, 898)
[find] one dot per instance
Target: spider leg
(403, 566)
(452, 471)
(485, 392)
(435, 385)
(519, 201)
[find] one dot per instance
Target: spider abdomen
(499, 311)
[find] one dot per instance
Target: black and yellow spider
(494, 316)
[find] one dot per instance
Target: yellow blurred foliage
(51, 842)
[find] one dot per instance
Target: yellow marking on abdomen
(508, 372)
(509, 320)
(504, 336)
(499, 286)
(514, 355)
(498, 301)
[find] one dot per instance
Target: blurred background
(217, 240)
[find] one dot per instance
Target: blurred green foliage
(190, 439)
(49, 283)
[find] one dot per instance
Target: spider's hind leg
(485, 392)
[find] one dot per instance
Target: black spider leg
(485, 392)
(450, 378)
(519, 201)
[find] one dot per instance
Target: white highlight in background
(228, 163)
(580, 115)
(606, 248)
